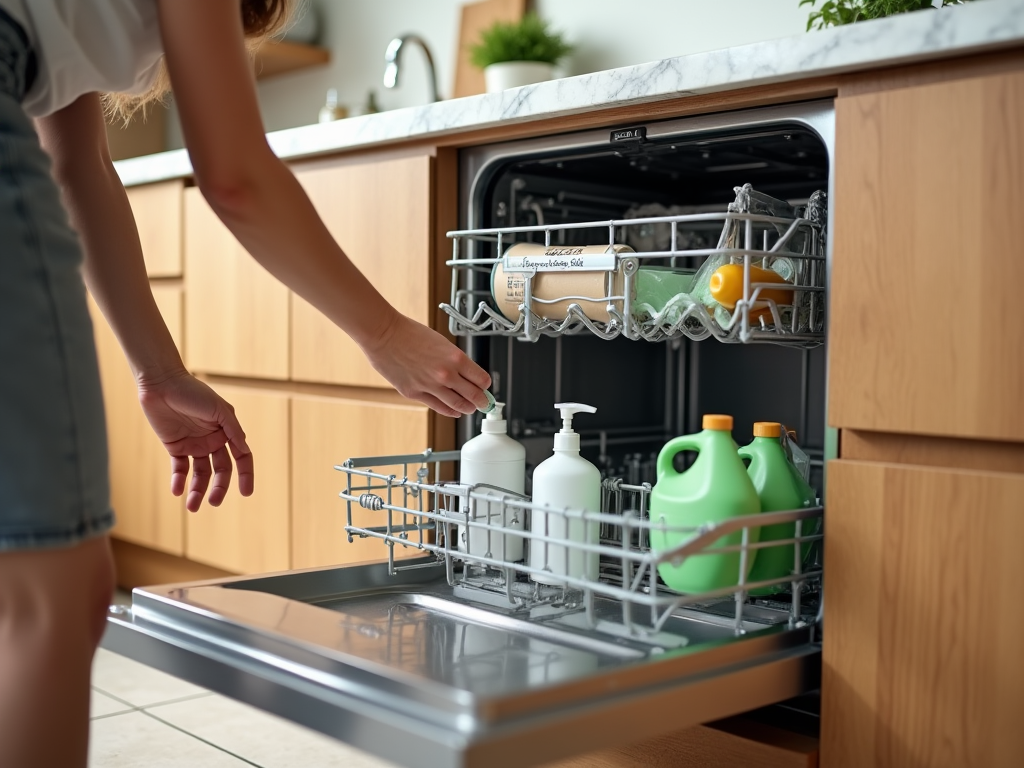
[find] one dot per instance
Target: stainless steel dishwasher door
(405, 668)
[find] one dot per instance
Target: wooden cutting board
(477, 17)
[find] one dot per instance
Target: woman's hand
(423, 365)
(195, 423)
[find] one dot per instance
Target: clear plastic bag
(749, 200)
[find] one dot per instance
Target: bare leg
(52, 608)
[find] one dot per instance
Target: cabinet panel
(158, 216)
(251, 535)
(325, 432)
(236, 312)
(379, 213)
(925, 318)
(140, 470)
(922, 662)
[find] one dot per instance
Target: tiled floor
(142, 717)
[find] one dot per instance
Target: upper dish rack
(749, 237)
(419, 509)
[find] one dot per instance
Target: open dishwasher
(458, 657)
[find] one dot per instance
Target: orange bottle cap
(717, 421)
(767, 429)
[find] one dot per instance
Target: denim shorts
(54, 487)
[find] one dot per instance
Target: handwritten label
(561, 260)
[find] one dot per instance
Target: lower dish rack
(414, 506)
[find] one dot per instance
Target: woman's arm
(260, 201)
(192, 421)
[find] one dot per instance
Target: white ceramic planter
(512, 74)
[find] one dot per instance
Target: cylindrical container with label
(565, 275)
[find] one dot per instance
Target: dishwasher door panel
(406, 669)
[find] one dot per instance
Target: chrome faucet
(393, 55)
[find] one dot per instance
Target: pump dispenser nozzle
(567, 439)
(494, 421)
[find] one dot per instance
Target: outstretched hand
(423, 365)
(198, 428)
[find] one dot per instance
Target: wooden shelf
(276, 57)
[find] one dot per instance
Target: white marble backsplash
(921, 36)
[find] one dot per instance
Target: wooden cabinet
(236, 313)
(251, 535)
(159, 218)
(926, 328)
(380, 214)
(922, 638)
(325, 432)
(140, 470)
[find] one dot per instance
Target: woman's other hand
(423, 365)
(198, 428)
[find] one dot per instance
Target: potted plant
(834, 13)
(518, 53)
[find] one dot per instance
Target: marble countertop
(913, 37)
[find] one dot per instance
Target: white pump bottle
(565, 480)
(495, 459)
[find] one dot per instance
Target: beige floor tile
(136, 683)
(135, 740)
(262, 738)
(101, 705)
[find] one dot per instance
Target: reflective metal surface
(403, 667)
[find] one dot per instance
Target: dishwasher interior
(460, 658)
(645, 393)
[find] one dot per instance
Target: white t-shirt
(87, 46)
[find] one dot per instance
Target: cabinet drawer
(236, 313)
(921, 652)
(379, 212)
(326, 431)
(251, 535)
(921, 232)
(159, 218)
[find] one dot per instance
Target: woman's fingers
(434, 404)
(455, 401)
(221, 476)
(241, 453)
(201, 474)
(474, 374)
(179, 473)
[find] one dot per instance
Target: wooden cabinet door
(325, 432)
(380, 214)
(251, 535)
(926, 330)
(140, 470)
(922, 632)
(236, 313)
(158, 216)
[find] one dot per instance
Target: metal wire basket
(420, 509)
(749, 239)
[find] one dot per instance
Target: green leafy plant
(526, 40)
(836, 12)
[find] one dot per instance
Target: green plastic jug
(716, 488)
(780, 487)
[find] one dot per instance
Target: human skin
(52, 602)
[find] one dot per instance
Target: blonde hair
(261, 19)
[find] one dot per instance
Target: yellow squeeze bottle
(726, 285)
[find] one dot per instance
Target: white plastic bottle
(495, 459)
(565, 480)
